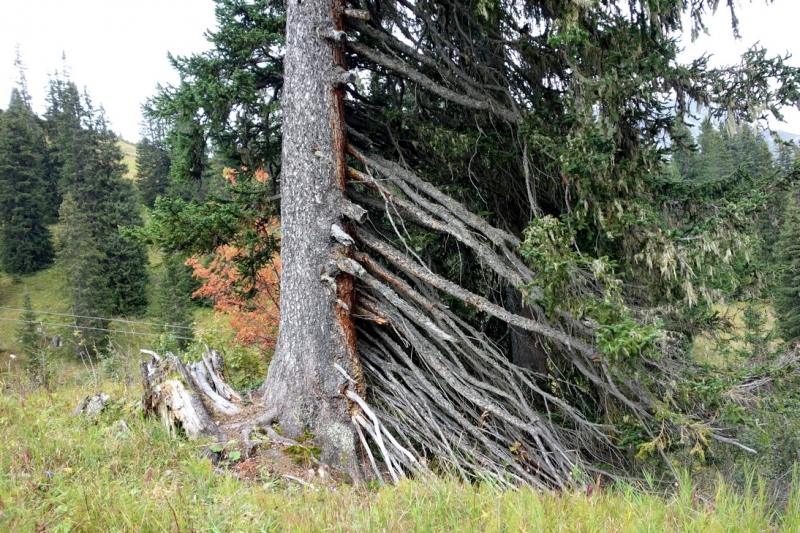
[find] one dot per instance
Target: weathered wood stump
(183, 395)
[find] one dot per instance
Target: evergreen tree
(31, 340)
(87, 284)
(479, 136)
(66, 117)
(106, 273)
(29, 337)
(111, 201)
(749, 152)
(174, 286)
(715, 163)
(152, 170)
(787, 298)
(26, 241)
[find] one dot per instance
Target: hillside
(47, 292)
(128, 157)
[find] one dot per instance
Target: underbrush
(120, 472)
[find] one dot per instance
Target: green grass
(47, 293)
(59, 473)
(128, 158)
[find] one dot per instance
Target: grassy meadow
(121, 472)
(128, 158)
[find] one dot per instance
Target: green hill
(128, 157)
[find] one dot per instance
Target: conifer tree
(106, 273)
(174, 286)
(29, 338)
(715, 162)
(26, 241)
(469, 136)
(787, 298)
(87, 285)
(152, 170)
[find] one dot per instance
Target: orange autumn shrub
(254, 319)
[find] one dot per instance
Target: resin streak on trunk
(303, 391)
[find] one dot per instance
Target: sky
(118, 50)
(775, 27)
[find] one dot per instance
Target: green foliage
(34, 344)
(174, 285)
(26, 246)
(152, 170)
(787, 298)
(106, 273)
(87, 284)
(29, 339)
(585, 287)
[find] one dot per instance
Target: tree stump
(184, 396)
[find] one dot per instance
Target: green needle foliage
(106, 273)
(152, 170)
(787, 299)
(26, 245)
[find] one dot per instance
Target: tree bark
(527, 348)
(303, 391)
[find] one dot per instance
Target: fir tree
(106, 273)
(152, 170)
(29, 337)
(787, 298)
(174, 287)
(715, 162)
(87, 283)
(481, 131)
(31, 341)
(26, 241)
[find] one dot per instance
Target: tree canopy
(499, 176)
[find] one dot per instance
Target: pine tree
(787, 298)
(26, 241)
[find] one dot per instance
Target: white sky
(118, 49)
(774, 27)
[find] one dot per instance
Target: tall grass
(119, 472)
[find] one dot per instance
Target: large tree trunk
(303, 391)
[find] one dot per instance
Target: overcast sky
(118, 50)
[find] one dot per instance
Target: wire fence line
(36, 311)
(76, 326)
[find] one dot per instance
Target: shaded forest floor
(120, 472)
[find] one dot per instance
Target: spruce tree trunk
(303, 390)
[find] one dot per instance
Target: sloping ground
(47, 293)
(120, 472)
(128, 158)
(727, 348)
